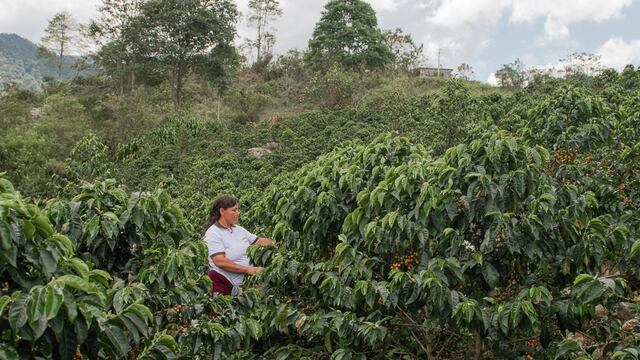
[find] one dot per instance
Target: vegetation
(21, 67)
(414, 217)
(347, 34)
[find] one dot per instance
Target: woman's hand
(252, 270)
(264, 241)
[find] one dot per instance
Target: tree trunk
(218, 110)
(60, 60)
(478, 348)
(120, 76)
(132, 80)
(176, 89)
(259, 43)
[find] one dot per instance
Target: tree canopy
(347, 34)
(178, 35)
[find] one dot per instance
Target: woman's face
(230, 215)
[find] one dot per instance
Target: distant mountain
(19, 62)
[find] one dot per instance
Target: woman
(228, 242)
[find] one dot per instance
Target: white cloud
(456, 14)
(566, 11)
(386, 5)
(555, 30)
(492, 79)
(468, 17)
(28, 18)
(617, 53)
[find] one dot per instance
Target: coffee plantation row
(446, 225)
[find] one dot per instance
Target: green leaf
(4, 301)
(75, 282)
(254, 328)
(38, 326)
(139, 322)
(54, 299)
(48, 261)
(7, 352)
(18, 312)
(581, 279)
(43, 225)
(490, 274)
(635, 249)
(70, 305)
(566, 347)
(117, 338)
(5, 235)
(80, 268)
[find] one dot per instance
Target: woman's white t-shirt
(233, 242)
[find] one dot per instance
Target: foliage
(176, 46)
(61, 37)
(387, 245)
(347, 35)
(58, 305)
(511, 75)
(484, 223)
(263, 12)
(20, 64)
(407, 55)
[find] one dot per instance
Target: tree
(511, 75)
(116, 37)
(464, 71)
(263, 12)
(407, 55)
(217, 67)
(178, 34)
(348, 34)
(581, 64)
(59, 39)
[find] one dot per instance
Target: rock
(630, 325)
(36, 113)
(259, 152)
(624, 311)
(600, 311)
(271, 145)
(577, 336)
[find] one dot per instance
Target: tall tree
(407, 55)
(178, 35)
(217, 67)
(262, 14)
(464, 71)
(117, 38)
(581, 64)
(59, 39)
(348, 34)
(512, 75)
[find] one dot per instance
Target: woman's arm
(264, 241)
(225, 264)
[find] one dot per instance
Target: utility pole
(439, 62)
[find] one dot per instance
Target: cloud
(492, 79)
(456, 14)
(555, 30)
(470, 19)
(617, 53)
(386, 5)
(28, 18)
(566, 11)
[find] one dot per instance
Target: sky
(482, 33)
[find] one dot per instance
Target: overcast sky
(482, 33)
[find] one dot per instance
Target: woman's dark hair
(223, 202)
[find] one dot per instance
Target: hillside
(396, 216)
(19, 63)
(437, 219)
